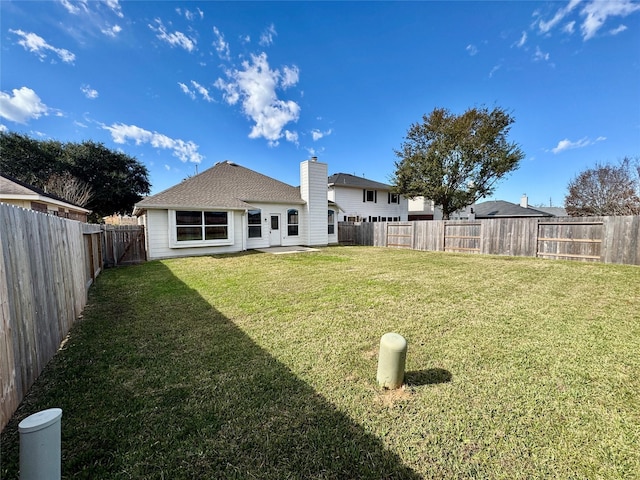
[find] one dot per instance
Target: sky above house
(183, 85)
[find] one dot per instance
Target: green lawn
(264, 366)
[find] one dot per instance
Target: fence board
(604, 239)
(43, 290)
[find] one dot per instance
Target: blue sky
(183, 85)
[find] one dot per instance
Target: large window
(201, 226)
(292, 222)
(255, 224)
(394, 198)
(370, 196)
(331, 222)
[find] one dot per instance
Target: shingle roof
(12, 186)
(346, 180)
(225, 185)
(500, 208)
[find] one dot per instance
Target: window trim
(173, 230)
(291, 225)
(258, 212)
(331, 221)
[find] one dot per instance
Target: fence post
(40, 439)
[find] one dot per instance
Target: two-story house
(363, 200)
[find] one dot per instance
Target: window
(331, 222)
(292, 222)
(198, 226)
(255, 224)
(394, 198)
(369, 196)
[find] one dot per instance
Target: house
(502, 209)
(423, 209)
(21, 194)
(363, 200)
(230, 208)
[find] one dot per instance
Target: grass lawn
(264, 366)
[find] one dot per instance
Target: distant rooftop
(347, 180)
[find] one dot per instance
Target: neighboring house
(502, 209)
(363, 200)
(421, 208)
(230, 208)
(15, 192)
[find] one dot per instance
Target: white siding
(313, 189)
(158, 237)
(268, 209)
(350, 201)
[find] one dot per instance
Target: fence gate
(400, 235)
(123, 244)
(570, 240)
(462, 237)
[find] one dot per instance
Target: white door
(275, 237)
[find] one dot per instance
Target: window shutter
(389, 197)
(364, 195)
(375, 196)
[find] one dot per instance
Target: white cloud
(567, 144)
(38, 45)
(221, 46)
(494, 70)
(174, 39)
(114, 5)
(23, 105)
(187, 90)
(472, 49)
(89, 92)
(523, 39)
(202, 91)
(317, 134)
(189, 15)
(290, 76)
(167, 167)
(540, 55)
(291, 137)
(256, 84)
(185, 151)
(3, 128)
(266, 38)
(75, 8)
(595, 13)
(569, 27)
(197, 89)
(112, 31)
(545, 27)
(619, 29)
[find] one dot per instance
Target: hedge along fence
(600, 239)
(46, 267)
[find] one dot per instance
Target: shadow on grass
(156, 383)
(429, 376)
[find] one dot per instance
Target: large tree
(454, 160)
(605, 190)
(116, 180)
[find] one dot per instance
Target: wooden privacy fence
(47, 265)
(123, 245)
(600, 239)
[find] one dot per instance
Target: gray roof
(501, 209)
(554, 211)
(225, 185)
(346, 180)
(12, 186)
